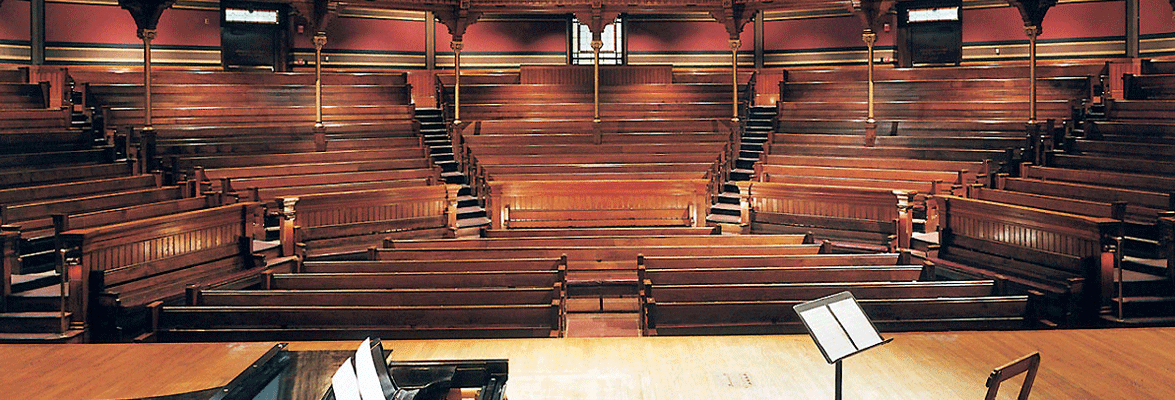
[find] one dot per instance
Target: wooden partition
(878, 216)
(574, 204)
(610, 75)
(1069, 257)
(134, 263)
(332, 223)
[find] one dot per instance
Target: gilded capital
(869, 36)
(319, 40)
(456, 45)
(735, 44)
(1032, 30)
(597, 45)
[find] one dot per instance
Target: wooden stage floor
(1076, 364)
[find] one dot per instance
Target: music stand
(840, 329)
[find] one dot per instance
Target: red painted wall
(14, 20)
(83, 23)
(1155, 17)
(187, 28)
(369, 34)
(509, 36)
(820, 33)
(1077, 20)
(684, 36)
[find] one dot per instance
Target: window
(612, 53)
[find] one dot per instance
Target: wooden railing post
(905, 222)
(286, 229)
(744, 204)
(497, 210)
(9, 237)
(75, 277)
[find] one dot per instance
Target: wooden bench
(125, 266)
(625, 231)
(409, 280)
(379, 297)
(40, 120)
(455, 265)
(553, 203)
(595, 241)
(776, 316)
(921, 153)
(1112, 210)
(47, 175)
(1146, 182)
(877, 217)
(24, 95)
(36, 218)
(1065, 256)
(1141, 206)
(351, 222)
(1159, 86)
(799, 268)
(969, 171)
(240, 323)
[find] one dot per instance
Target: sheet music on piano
(838, 325)
(344, 383)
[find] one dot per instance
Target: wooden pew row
(569, 204)
(598, 241)
(510, 111)
(330, 224)
(1051, 88)
(21, 161)
(976, 155)
(40, 120)
(1111, 210)
(379, 297)
(625, 231)
(1130, 150)
(266, 176)
(1066, 257)
(441, 265)
(823, 267)
(958, 142)
(76, 189)
(22, 177)
(1141, 206)
(709, 292)
(1114, 164)
(558, 150)
(1007, 110)
(876, 217)
(262, 188)
(767, 317)
(165, 77)
(243, 323)
(1003, 71)
(24, 95)
(923, 182)
(36, 219)
(891, 126)
(978, 171)
(1146, 182)
(49, 141)
(606, 127)
(551, 138)
(1160, 86)
(1131, 131)
(590, 257)
(474, 94)
(122, 267)
(409, 280)
(195, 146)
(409, 150)
(262, 94)
(244, 116)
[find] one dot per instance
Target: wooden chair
(1028, 363)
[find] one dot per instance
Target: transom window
(612, 53)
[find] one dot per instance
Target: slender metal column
(734, 45)
(319, 42)
(456, 45)
(870, 39)
(597, 44)
(147, 35)
(1032, 32)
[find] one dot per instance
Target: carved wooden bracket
(596, 19)
(318, 13)
(734, 16)
(457, 19)
(1033, 11)
(872, 13)
(145, 12)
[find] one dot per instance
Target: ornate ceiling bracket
(1172, 8)
(872, 13)
(1032, 11)
(318, 13)
(146, 13)
(734, 16)
(457, 19)
(596, 19)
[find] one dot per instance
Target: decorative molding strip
(15, 52)
(691, 59)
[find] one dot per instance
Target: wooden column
(456, 45)
(147, 35)
(36, 32)
(734, 45)
(1132, 29)
(870, 39)
(430, 41)
(1032, 32)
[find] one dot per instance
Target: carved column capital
(597, 45)
(1032, 31)
(457, 45)
(735, 44)
(869, 36)
(319, 40)
(147, 34)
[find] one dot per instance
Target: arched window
(581, 43)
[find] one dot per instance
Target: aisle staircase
(756, 132)
(471, 215)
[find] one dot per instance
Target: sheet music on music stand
(839, 326)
